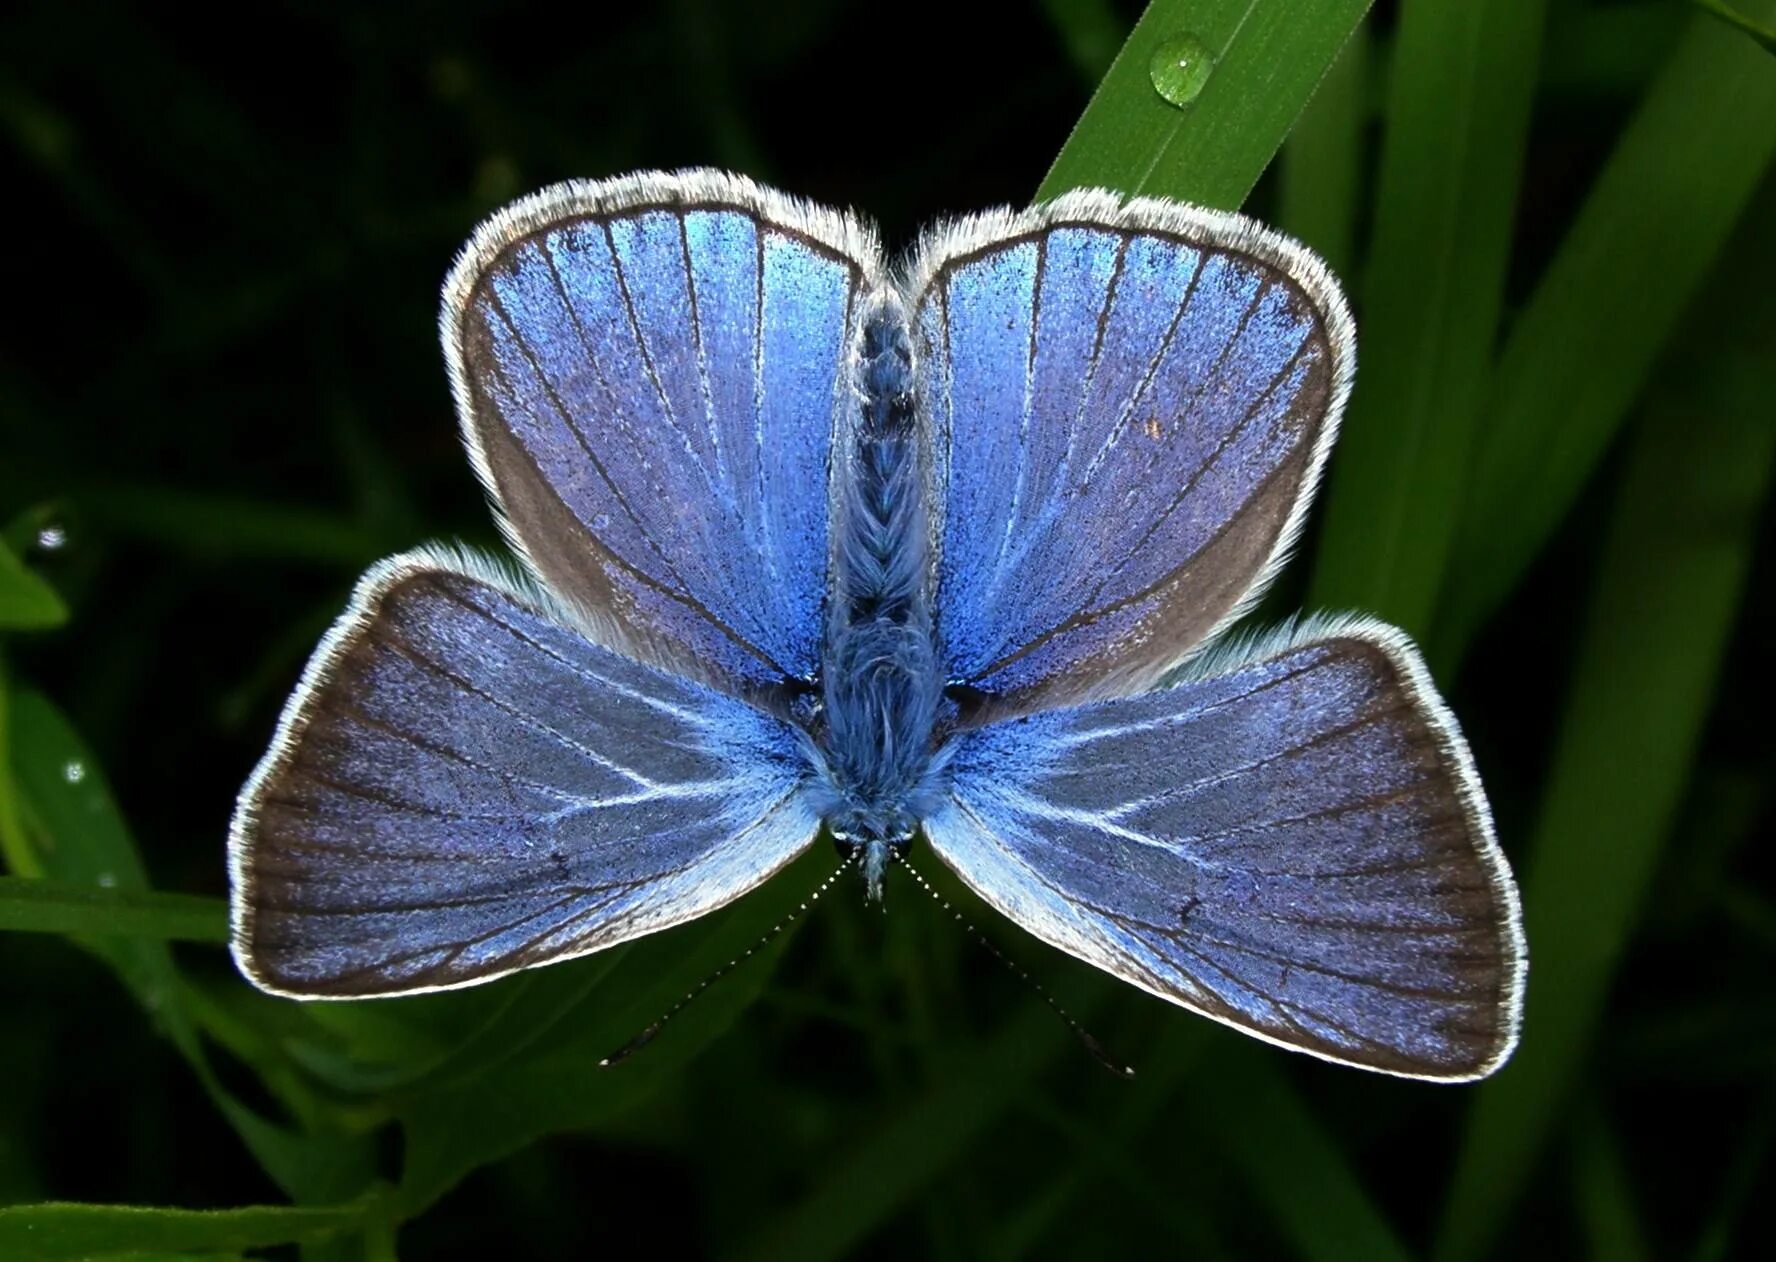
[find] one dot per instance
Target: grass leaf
(1320, 170)
(1463, 77)
(1268, 57)
(27, 603)
(221, 526)
(74, 833)
(1762, 32)
(1294, 1165)
(1089, 30)
(41, 906)
(57, 1230)
(1580, 352)
(1668, 586)
(456, 1119)
(886, 1168)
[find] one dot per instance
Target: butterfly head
(874, 835)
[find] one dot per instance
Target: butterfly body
(878, 766)
(811, 545)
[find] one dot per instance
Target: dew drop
(73, 772)
(52, 538)
(1180, 67)
(108, 880)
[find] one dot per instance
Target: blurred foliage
(220, 397)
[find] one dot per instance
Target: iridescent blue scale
(949, 554)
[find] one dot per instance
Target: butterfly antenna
(641, 1040)
(1017, 970)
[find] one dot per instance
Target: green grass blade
(1320, 169)
(1608, 52)
(886, 1168)
(1762, 32)
(73, 832)
(460, 1119)
(1269, 57)
(1582, 349)
(40, 906)
(1747, 1169)
(1604, 1195)
(1294, 1165)
(1107, 1141)
(1089, 30)
(219, 526)
(59, 1229)
(1463, 77)
(1675, 561)
(27, 603)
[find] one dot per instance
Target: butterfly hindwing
(650, 372)
(1128, 407)
(464, 786)
(1296, 845)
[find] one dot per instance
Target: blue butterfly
(945, 552)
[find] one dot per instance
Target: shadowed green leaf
(456, 1120)
(73, 833)
(889, 1167)
(27, 603)
(886, 1168)
(1090, 31)
(1760, 31)
(1606, 1200)
(1667, 589)
(1320, 170)
(218, 526)
(58, 1230)
(1294, 1164)
(42, 906)
(1462, 79)
(1652, 225)
(1268, 56)
(1106, 1142)
(1747, 1166)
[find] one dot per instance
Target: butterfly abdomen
(880, 670)
(882, 551)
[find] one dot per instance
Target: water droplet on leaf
(73, 772)
(1180, 67)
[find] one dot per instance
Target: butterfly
(943, 554)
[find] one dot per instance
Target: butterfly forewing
(1128, 408)
(1297, 847)
(464, 786)
(650, 373)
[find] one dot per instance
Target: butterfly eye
(805, 708)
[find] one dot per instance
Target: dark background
(220, 376)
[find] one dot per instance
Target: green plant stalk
(57, 1230)
(40, 906)
(1762, 32)
(1294, 1164)
(73, 832)
(1667, 588)
(1090, 31)
(1270, 55)
(27, 603)
(1579, 354)
(1463, 77)
(1320, 170)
